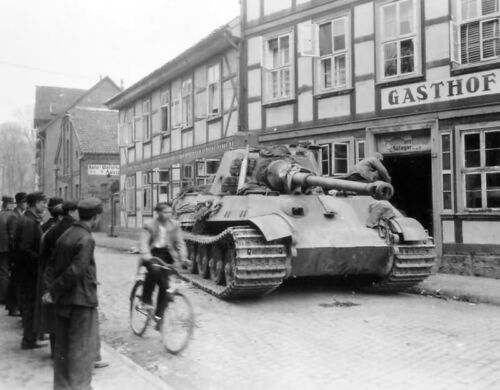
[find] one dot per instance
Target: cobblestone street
(312, 337)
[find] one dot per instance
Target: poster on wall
(103, 169)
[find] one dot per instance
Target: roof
(96, 129)
(50, 101)
(215, 42)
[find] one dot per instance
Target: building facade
(416, 80)
(175, 124)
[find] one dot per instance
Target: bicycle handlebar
(164, 265)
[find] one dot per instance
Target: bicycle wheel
(177, 323)
(139, 319)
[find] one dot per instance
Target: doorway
(412, 180)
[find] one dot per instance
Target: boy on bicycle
(163, 239)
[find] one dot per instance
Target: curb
(455, 295)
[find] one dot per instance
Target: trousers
(75, 347)
(157, 277)
(28, 297)
(4, 276)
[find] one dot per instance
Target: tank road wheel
(229, 266)
(202, 261)
(216, 265)
(191, 257)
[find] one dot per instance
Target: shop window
(279, 65)
(360, 151)
(187, 103)
(446, 172)
(213, 90)
(334, 58)
(146, 125)
(130, 194)
(163, 192)
(325, 159)
(475, 31)
(481, 169)
(399, 39)
(340, 159)
(165, 111)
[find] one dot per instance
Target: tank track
(259, 266)
(411, 265)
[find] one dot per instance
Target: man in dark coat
(7, 206)
(13, 304)
(53, 202)
(29, 238)
(74, 291)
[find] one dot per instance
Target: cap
(53, 202)
(21, 197)
(69, 205)
(7, 199)
(57, 210)
(34, 197)
(89, 207)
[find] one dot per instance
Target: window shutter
(308, 39)
(455, 41)
(122, 135)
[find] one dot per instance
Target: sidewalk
(33, 370)
(465, 288)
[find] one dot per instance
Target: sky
(72, 43)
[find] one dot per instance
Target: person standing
(53, 202)
(29, 239)
(163, 239)
(74, 292)
(7, 207)
(13, 304)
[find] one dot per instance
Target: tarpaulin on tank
(272, 226)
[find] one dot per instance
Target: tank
(269, 215)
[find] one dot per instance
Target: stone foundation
(471, 264)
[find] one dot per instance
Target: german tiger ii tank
(269, 215)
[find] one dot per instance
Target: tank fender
(410, 228)
(272, 226)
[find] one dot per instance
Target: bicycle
(177, 325)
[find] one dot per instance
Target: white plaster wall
(200, 133)
(441, 73)
(187, 139)
(364, 58)
(305, 71)
(365, 96)
(481, 232)
(278, 116)
(271, 6)
(254, 50)
(334, 106)
(147, 151)
(131, 155)
(254, 116)
(254, 83)
(123, 156)
(131, 221)
(156, 145)
(363, 19)
(138, 151)
(214, 131)
(299, 2)
(448, 232)
(437, 42)
(253, 9)
(165, 145)
(305, 106)
(233, 124)
(228, 91)
(436, 8)
(175, 139)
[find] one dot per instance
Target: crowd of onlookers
(48, 277)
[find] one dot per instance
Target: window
(176, 180)
(278, 62)
(481, 169)
(187, 103)
(446, 169)
(325, 159)
(213, 90)
(146, 125)
(66, 158)
(162, 177)
(130, 194)
(176, 112)
(333, 64)
(165, 111)
(77, 191)
(187, 176)
(360, 151)
(475, 30)
(399, 39)
(147, 181)
(340, 158)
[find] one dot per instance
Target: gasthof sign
(103, 169)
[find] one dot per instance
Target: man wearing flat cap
(13, 304)
(7, 206)
(52, 203)
(74, 292)
(29, 232)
